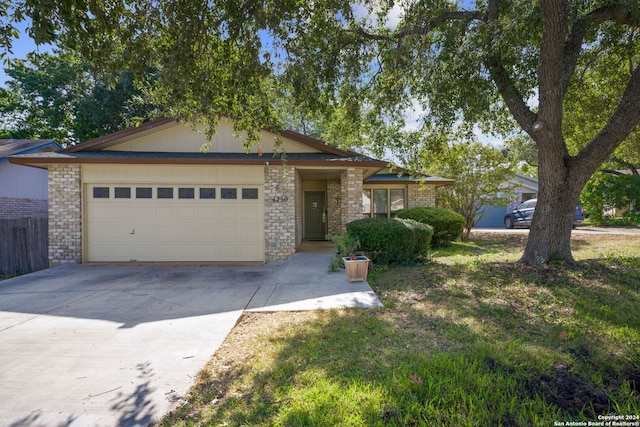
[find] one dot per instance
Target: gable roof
(104, 141)
(104, 150)
(108, 140)
(11, 147)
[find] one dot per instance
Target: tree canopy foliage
(364, 68)
(60, 96)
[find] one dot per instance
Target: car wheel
(508, 222)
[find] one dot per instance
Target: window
(164, 193)
(396, 198)
(122, 192)
(382, 202)
(143, 193)
(100, 192)
(250, 193)
(229, 193)
(366, 203)
(207, 193)
(186, 193)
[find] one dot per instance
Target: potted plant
(356, 267)
(347, 256)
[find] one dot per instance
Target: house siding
(65, 215)
(420, 195)
(280, 203)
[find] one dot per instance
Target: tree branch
(423, 28)
(620, 124)
(554, 28)
(573, 45)
(505, 85)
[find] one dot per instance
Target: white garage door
(142, 222)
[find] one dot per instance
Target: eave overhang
(148, 158)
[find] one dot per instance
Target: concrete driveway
(119, 345)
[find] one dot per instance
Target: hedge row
(447, 225)
(390, 240)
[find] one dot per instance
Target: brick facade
(280, 203)
(65, 218)
(283, 216)
(334, 197)
(421, 195)
(12, 208)
(350, 196)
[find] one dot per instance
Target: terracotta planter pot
(357, 268)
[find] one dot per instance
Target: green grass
(471, 339)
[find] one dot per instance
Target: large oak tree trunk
(550, 235)
(560, 175)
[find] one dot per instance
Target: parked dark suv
(522, 215)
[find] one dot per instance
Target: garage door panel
(207, 233)
(164, 233)
(249, 233)
(187, 232)
(208, 229)
(123, 252)
(228, 213)
(165, 212)
(207, 213)
(186, 213)
(249, 215)
(228, 233)
(101, 212)
(143, 231)
(122, 211)
(101, 231)
(146, 212)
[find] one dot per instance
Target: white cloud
(369, 14)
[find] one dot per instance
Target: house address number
(279, 199)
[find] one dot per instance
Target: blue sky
(20, 48)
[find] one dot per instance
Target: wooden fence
(23, 245)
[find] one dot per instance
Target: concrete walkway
(119, 345)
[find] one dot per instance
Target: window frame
(370, 191)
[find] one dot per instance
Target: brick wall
(65, 220)
(421, 195)
(11, 208)
(334, 196)
(279, 213)
(351, 196)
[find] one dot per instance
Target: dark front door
(314, 215)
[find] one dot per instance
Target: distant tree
(41, 95)
(60, 96)
(481, 173)
(523, 151)
(613, 189)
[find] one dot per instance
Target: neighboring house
(151, 194)
(521, 188)
(23, 208)
(23, 191)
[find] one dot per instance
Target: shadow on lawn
(499, 344)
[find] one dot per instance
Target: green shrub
(392, 241)
(447, 225)
(346, 245)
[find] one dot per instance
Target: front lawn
(471, 339)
